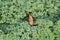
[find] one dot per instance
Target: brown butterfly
(30, 19)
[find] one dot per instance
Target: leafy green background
(46, 14)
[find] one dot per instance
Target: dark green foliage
(46, 15)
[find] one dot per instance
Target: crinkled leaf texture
(46, 15)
